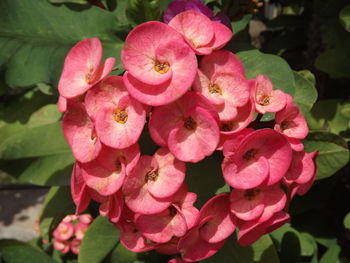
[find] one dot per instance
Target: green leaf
(290, 248)
(122, 255)
(49, 170)
(345, 110)
(306, 241)
(13, 251)
(100, 238)
(205, 177)
(262, 251)
(140, 11)
(333, 154)
(35, 37)
(335, 62)
(241, 24)
(34, 142)
(331, 255)
(344, 17)
(347, 221)
(58, 203)
(305, 92)
(80, 2)
(330, 115)
(274, 67)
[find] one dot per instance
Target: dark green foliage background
(305, 51)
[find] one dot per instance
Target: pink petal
(193, 145)
(221, 61)
(81, 62)
(160, 129)
(121, 134)
(79, 192)
(245, 115)
(162, 227)
(135, 187)
(108, 92)
(274, 200)
(222, 35)
(221, 224)
(113, 207)
(251, 231)
(106, 182)
(197, 29)
(245, 176)
(194, 248)
(171, 174)
(139, 53)
(246, 209)
(78, 130)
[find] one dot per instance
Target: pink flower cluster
(191, 111)
(70, 232)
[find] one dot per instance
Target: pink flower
(64, 231)
(251, 231)
(214, 225)
(113, 207)
(259, 203)
(303, 188)
(80, 229)
(106, 174)
(85, 218)
(189, 127)
(130, 236)
(201, 34)
(79, 189)
(301, 170)
(226, 91)
(291, 123)
(82, 68)
(79, 131)
(262, 157)
(75, 246)
(119, 119)
(180, 216)
(160, 66)
(267, 99)
(62, 246)
(221, 61)
(149, 187)
(161, 227)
